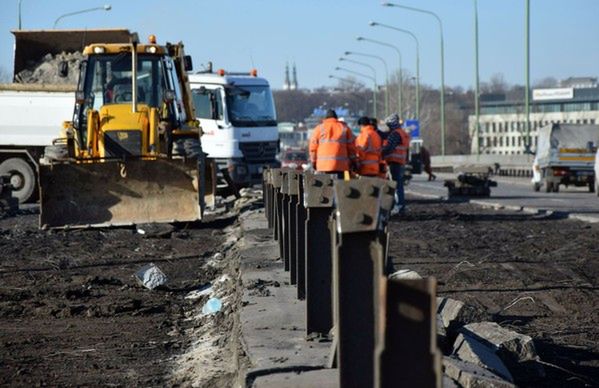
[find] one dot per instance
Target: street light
(373, 79)
(477, 92)
(399, 95)
(527, 141)
(368, 66)
(106, 7)
(19, 9)
(442, 64)
(374, 24)
(386, 75)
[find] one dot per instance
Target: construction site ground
(535, 274)
(71, 312)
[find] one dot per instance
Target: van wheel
(22, 178)
(548, 187)
(556, 187)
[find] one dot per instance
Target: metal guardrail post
(300, 254)
(318, 200)
(293, 192)
(266, 196)
(359, 265)
(277, 202)
(406, 340)
(284, 235)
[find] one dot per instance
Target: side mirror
(187, 63)
(63, 69)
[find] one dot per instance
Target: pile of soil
(72, 313)
(535, 274)
(46, 70)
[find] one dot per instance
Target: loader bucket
(112, 193)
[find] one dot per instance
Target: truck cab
(238, 119)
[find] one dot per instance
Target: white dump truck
(41, 98)
(239, 122)
(565, 155)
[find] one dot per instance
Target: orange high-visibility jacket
(332, 146)
(369, 146)
(400, 153)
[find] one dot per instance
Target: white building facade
(503, 123)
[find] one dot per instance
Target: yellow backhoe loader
(132, 152)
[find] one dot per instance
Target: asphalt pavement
(517, 194)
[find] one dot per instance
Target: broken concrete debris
(516, 350)
(469, 349)
(150, 276)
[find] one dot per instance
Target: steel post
(363, 208)
(318, 200)
(277, 202)
(301, 215)
(292, 192)
(284, 235)
(407, 340)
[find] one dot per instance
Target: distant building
(503, 123)
(290, 84)
(293, 85)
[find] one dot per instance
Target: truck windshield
(250, 106)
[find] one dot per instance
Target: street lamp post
(399, 94)
(373, 73)
(527, 88)
(373, 79)
(442, 65)
(106, 7)
(373, 24)
(477, 92)
(386, 75)
(19, 9)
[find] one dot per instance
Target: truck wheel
(548, 187)
(22, 178)
(536, 186)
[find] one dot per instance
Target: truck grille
(118, 144)
(259, 152)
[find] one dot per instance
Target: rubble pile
(47, 70)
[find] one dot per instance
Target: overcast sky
(241, 34)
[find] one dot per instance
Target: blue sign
(413, 128)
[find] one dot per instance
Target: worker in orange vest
(332, 147)
(369, 146)
(395, 152)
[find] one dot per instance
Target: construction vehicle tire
(22, 178)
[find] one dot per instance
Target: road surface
(517, 194)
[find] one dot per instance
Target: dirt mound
(47, 70)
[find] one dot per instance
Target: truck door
(209, 110)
